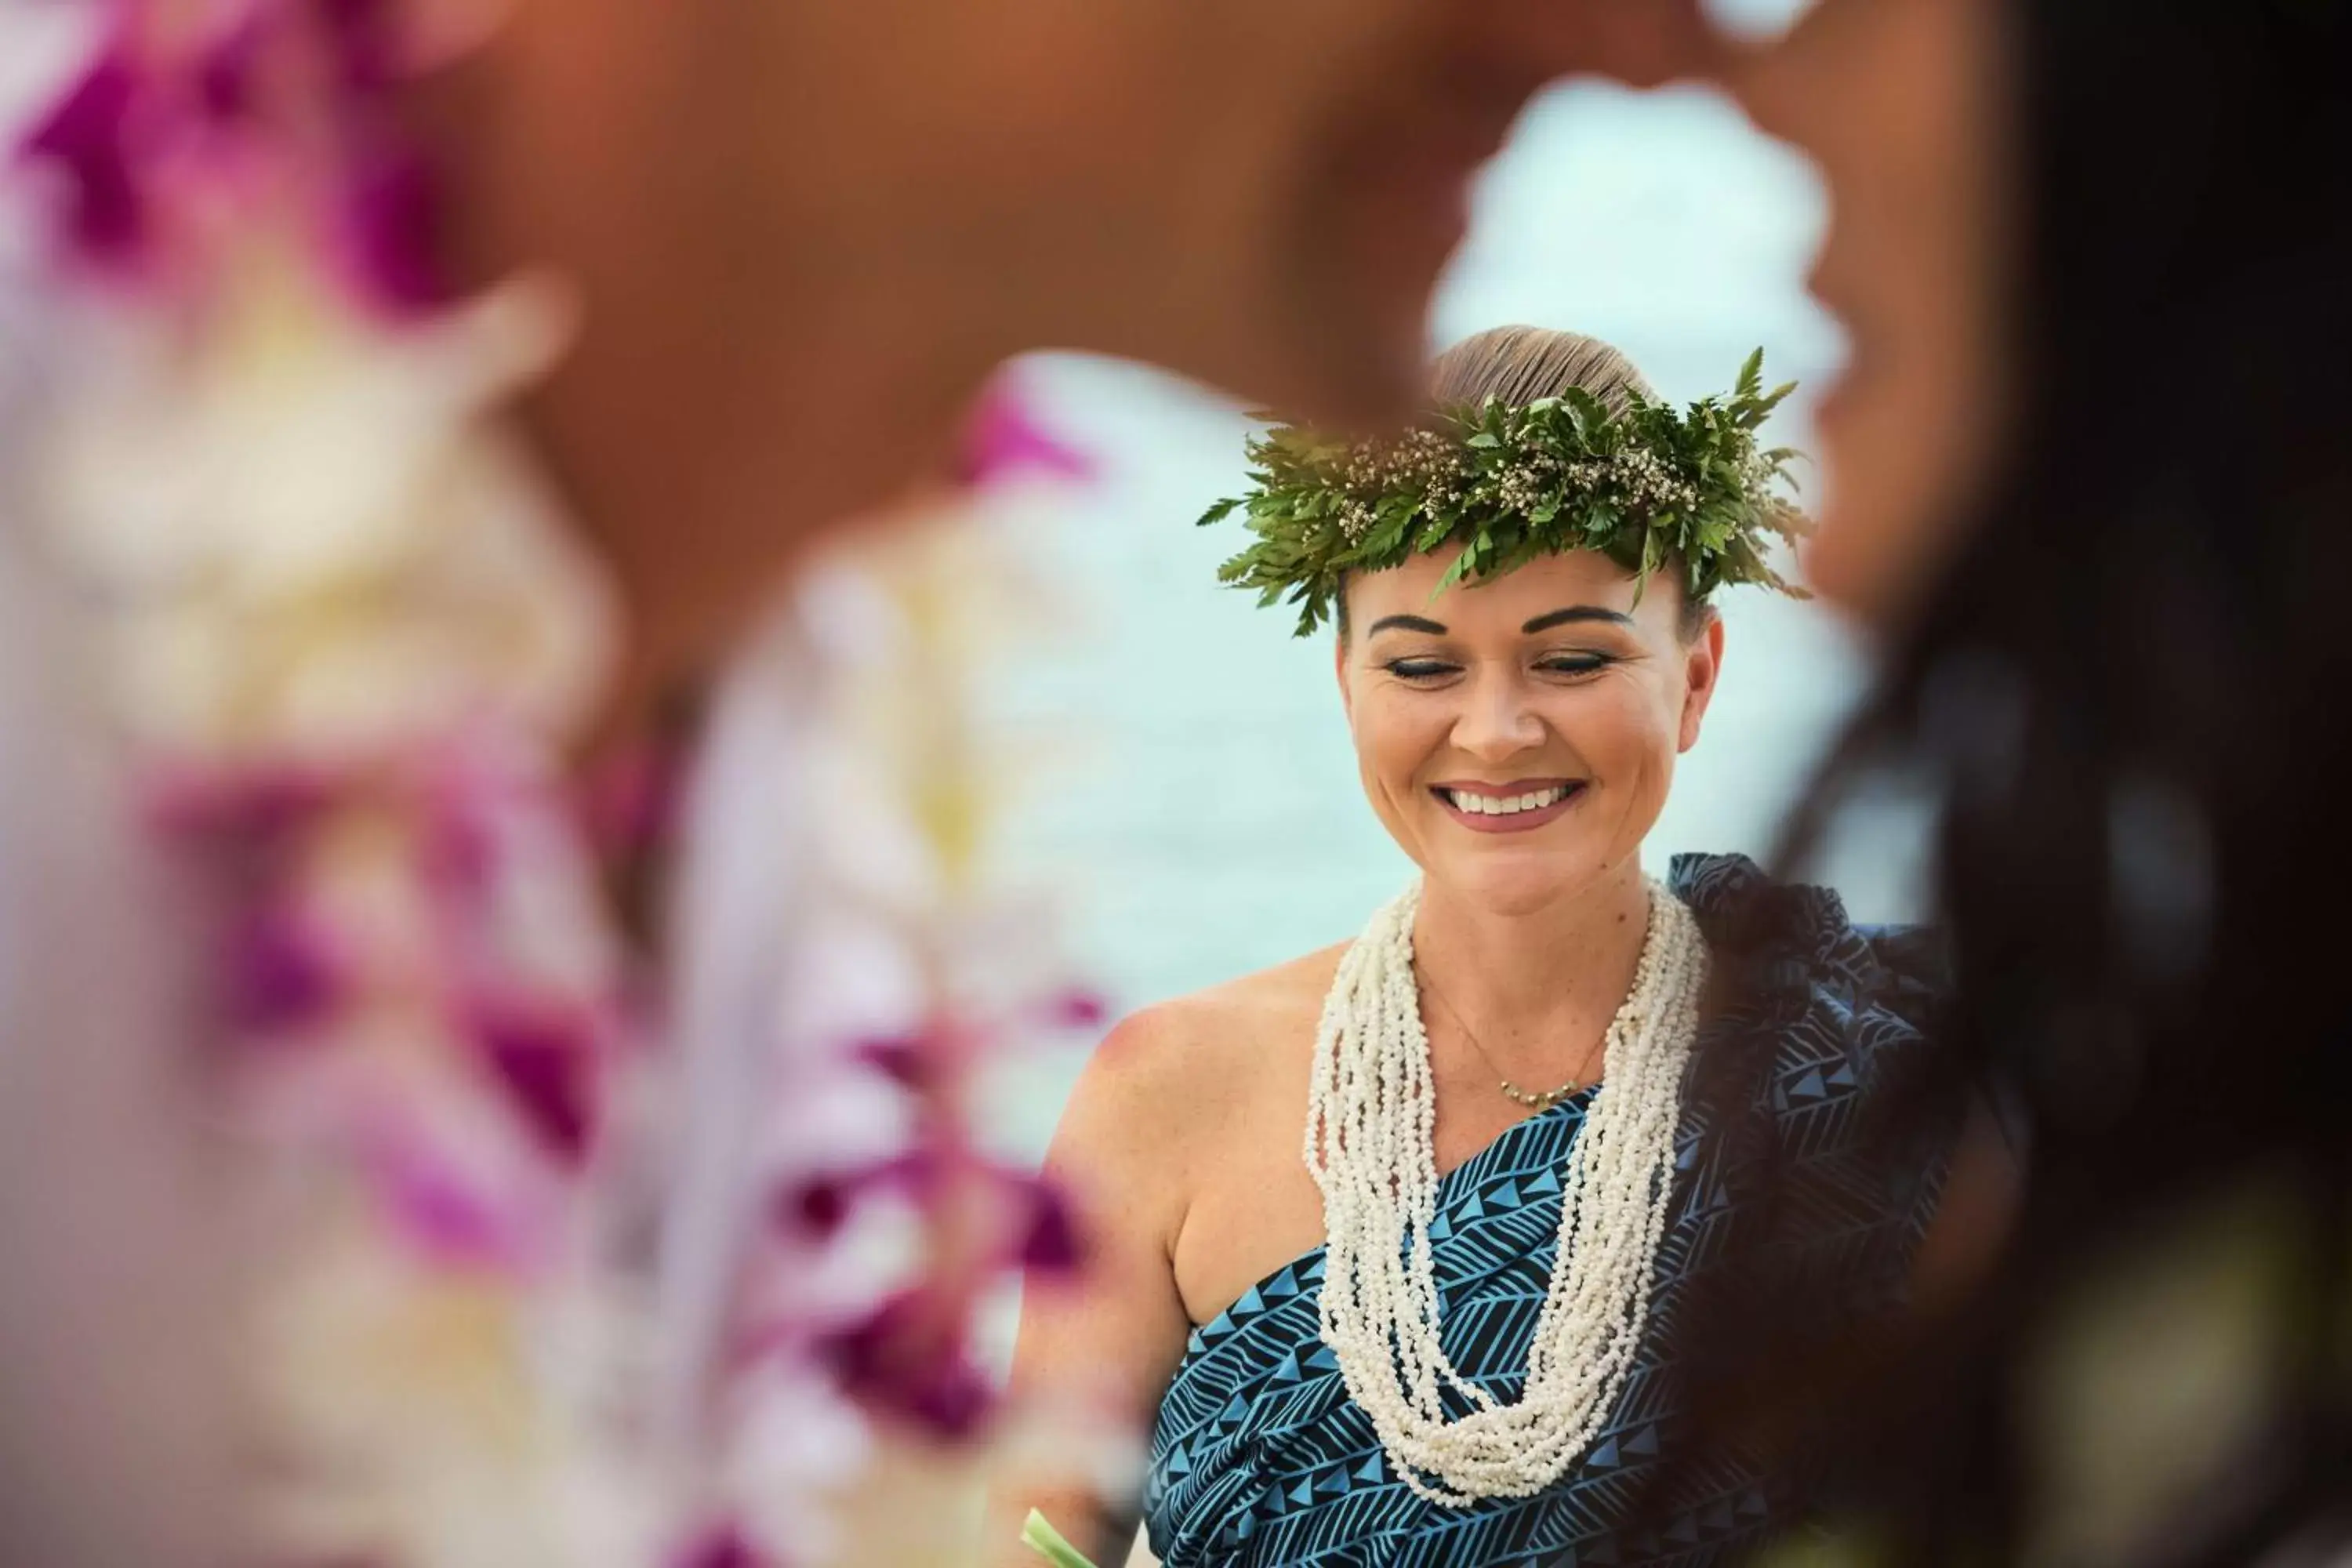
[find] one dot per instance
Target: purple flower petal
(256, 811)
(460, 853)
(817, 1208)
(726, 1547)
(445, 1219)
(902, 1058)
(87, 135)
(366, 38)
(1079, 1010)
(1004, 437)
(283, 975)
(546, 1064)
(919, 1170)
(225, 73)
(907, 1362)
(1051, 1245)
(392, 228)
(953, 1406)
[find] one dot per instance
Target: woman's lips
(1448, 796)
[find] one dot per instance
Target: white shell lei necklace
(1371, 1121)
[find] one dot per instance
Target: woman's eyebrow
(1407, 623)
(1572, 615)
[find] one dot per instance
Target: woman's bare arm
(1108, 1339)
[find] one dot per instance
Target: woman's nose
(1499, 722)
(1779, 82)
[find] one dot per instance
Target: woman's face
(1903, 105)
(1517, 736)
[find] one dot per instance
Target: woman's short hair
(1519, 365)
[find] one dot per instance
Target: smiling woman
(1551, 685)
(1445, 1334)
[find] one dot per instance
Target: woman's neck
(1538, 989)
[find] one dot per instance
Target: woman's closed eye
(1425, 669)
(1575, 664)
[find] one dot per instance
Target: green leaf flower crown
(1511, 483)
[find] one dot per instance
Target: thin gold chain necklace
(1534, 1099)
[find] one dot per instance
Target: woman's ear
(1703, 666)
(1340, 668)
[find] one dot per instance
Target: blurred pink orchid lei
(349, 637)
(879, 1223)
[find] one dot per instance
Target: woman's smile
(1518, 807)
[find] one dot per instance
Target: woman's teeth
(1504, 804)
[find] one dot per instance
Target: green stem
(1047, 1543)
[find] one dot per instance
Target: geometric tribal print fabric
(1260, 1459)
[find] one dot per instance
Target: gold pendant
(1538, 1102)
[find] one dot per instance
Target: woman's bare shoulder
(1173, 1073)
(1210, 1035)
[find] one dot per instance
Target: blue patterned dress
(1259, 1459)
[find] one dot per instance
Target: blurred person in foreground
(2090, 479)
(791, 241)
(804, 233)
